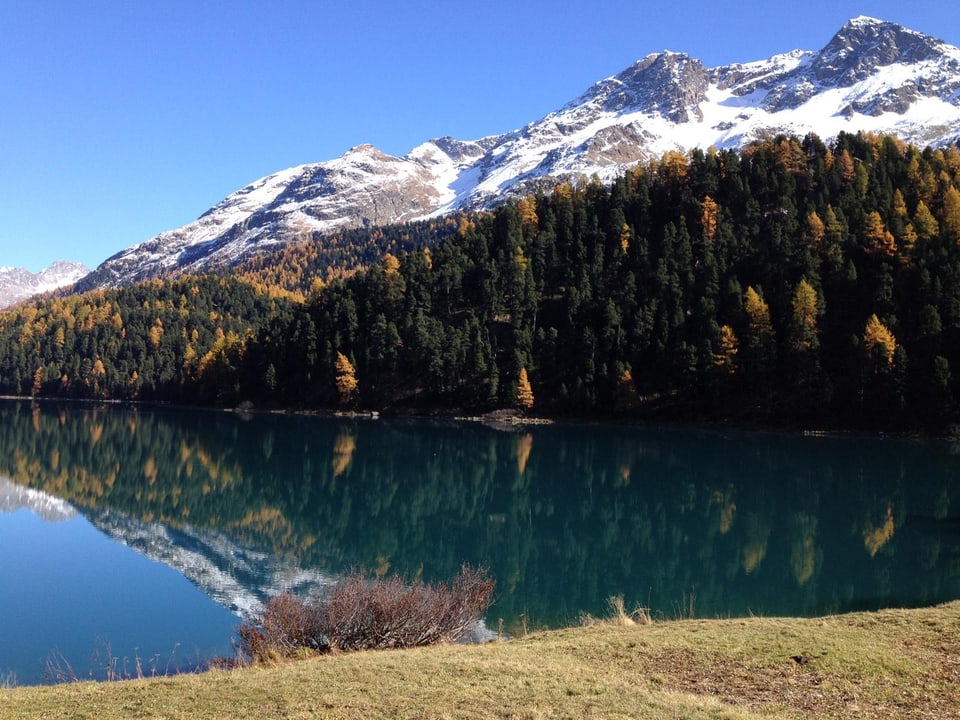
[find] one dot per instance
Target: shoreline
(903, 663)
(506, 418)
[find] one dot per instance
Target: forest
(790, 284)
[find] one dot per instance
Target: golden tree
(899, 204)
(529, 222)
(346, 379)
(759, 344)
(806, 309)
(814, 231)
(708, 219)
(879, 240)
(391, 266)
(625, 235)
(726, 355)
(845, 161)
(758, 313)
(524, 391)
(951, 214)
(924, 223)
(878, 339)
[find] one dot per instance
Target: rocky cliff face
(872, 76)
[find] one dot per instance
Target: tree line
(792, 282)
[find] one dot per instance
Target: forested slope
(788, 283)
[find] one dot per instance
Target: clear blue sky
(122, 119)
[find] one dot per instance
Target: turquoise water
(564, 516)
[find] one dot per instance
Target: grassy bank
(896, 664)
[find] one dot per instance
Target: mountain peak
(667, 83)
(873, 76)
(863, 44)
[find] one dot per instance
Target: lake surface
(143, 535)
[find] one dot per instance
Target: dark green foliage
(580, 287)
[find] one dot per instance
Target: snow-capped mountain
(17, 284)
(15, 497)
(872, 76)
(239, 577)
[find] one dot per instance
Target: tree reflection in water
(564, 516)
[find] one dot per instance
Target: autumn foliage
(731, 284)
(524, 391)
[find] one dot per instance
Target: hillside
(792, 283)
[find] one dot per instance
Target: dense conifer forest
(788, 284)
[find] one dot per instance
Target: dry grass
(892, 664)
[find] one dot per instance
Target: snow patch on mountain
(17, 284)
(872, 76)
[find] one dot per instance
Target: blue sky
(122, 119)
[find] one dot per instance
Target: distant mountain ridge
(17, 284)
(872, 76)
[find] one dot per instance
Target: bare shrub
(363, 613)
(389, 613)
(287, 627)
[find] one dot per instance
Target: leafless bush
(363, 613)
(288, 626)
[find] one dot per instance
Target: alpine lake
(135, 540)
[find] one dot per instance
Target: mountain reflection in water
(564, 516)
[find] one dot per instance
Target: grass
(890, 664)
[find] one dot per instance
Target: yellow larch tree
(708, 218)
(524, 391)
(924, 223)
(877, 338)
(726, 356)
(806, 309)
(529, 222)
(346, 379)
(951, 214)
(814, 231)
(878, 239)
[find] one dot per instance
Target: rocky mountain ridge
(17, 284)
(872, 76)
